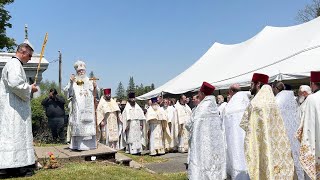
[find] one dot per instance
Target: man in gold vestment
(267, 147)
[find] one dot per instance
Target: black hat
(131, 95)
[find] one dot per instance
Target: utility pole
(60, 70)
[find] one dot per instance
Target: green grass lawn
(96, 170)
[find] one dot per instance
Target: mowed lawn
(96, 170)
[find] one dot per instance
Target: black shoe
(3, 174)
(26, 172)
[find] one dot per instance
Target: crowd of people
(264, 133)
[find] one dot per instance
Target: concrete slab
(42, 152)
(64, 153)
(122, 159)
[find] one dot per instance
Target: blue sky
(153, 41)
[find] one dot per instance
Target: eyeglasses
(29, 54)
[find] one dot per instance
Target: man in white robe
(221, 104)
(172, 126)
(157, 123)
(233, 89)
(16, 140)
(82, 116)
(303, 93)
(183, 116)
(195, 101)
(289, 112)
(109, 120)
(232, 115)
(134, 126)
(310, 139)
(207, 156)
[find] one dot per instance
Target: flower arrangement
(52, 163)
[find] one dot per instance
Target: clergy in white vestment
(310, 141)
(221, 104)
(134, 126)
(16, 140)
(207, 153)
(183, 116)
(267, 146)
(109, 120)
(232, 115)
(172, 125)
(303, 93)
(82, 116)
(157, 122)
(289, 112)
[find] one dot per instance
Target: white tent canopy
(281, 52)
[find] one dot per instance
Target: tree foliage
(131, 85)
(309, 12)
(137, 89)
(120, 92)
(91, 75)
(5, 42)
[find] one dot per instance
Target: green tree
(131, 86)
(91, 75)
(139, 90)
(148, 88)
(309, 12)
(46, 85)
(5, 42)
(120, 92)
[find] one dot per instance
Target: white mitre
(26, 41)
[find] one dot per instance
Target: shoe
(3, 172)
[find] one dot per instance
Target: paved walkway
(176, 163)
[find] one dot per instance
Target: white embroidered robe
(82, 120)
(310, 143)
(289, 112)
(183, 116)
(232, 115)
(109, 113)
(134, 128)
(207, 156)
(16, 140)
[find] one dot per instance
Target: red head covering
(107, 91)
(315, 76)
(207, 88)
(257, 77)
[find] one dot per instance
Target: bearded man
(134, 126)
(310, 138)
(82, 113)
(267, 146)
(172, 125)
(157, 122)
(183, 116)
(108, 117)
